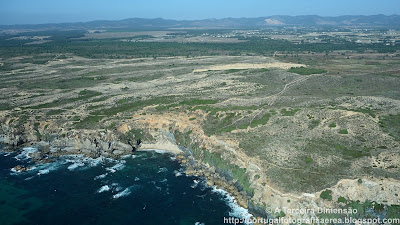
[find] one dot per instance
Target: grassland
(306, 127)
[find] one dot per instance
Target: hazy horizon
(47, 11)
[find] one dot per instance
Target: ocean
(145, 188)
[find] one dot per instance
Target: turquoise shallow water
(147, 188)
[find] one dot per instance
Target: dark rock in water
(20, 168)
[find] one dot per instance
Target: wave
(129, 156)
(164, 180)
(101, 176)
(82, 161)
(104, 189)
(119, 166)
(236, 210)
(196, 183)
(76, 165)
(123, 193)
(25, 154)
(45, 171)
(116, 187)
(179, 172)
(74, 161)
(162, 170)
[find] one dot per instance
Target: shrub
(327, 195)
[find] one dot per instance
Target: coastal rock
(20, 168)
(210, 182)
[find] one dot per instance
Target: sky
(57, 11)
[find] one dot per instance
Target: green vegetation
(281, 214)
(288, 112)
(235, 103)
(309, 160)
(223, 166)
(194, 102)
(135, 134)
(327, 195)
(260, 121)
(89, 122)
(62, 43)
(220, 121)
(306, 71)
(314, 124)
(391, 125)
(366, 111)
(62, 83)
(363, 209)
(342, 200)
(54, 112)
(393, 212)
(83, 95)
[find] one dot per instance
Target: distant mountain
(260, 22)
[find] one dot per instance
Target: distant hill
(260, 22)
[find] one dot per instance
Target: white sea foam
(179, 172)
(48, 167)
(162, 170)
(116, 187)
(114, 184)
(160, 151)
(101, 176)
(129, 156)
(236, 210)
(199, 223)
(45, 171)
(119, 166)
(95, 162)
(82, 161)
(76, 165)
(123, 193)
(196, 182)
(25, 154)
(104, 188)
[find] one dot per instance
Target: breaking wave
(236, 210)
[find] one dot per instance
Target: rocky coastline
(109, 144)
(115, 143)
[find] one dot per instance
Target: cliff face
(61, 141)
(178, 134)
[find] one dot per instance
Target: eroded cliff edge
(221, 162)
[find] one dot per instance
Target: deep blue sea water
(146, 188)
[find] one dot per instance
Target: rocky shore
(108, 144)
(265, 202)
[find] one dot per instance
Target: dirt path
(243, 66)
(296, 81)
